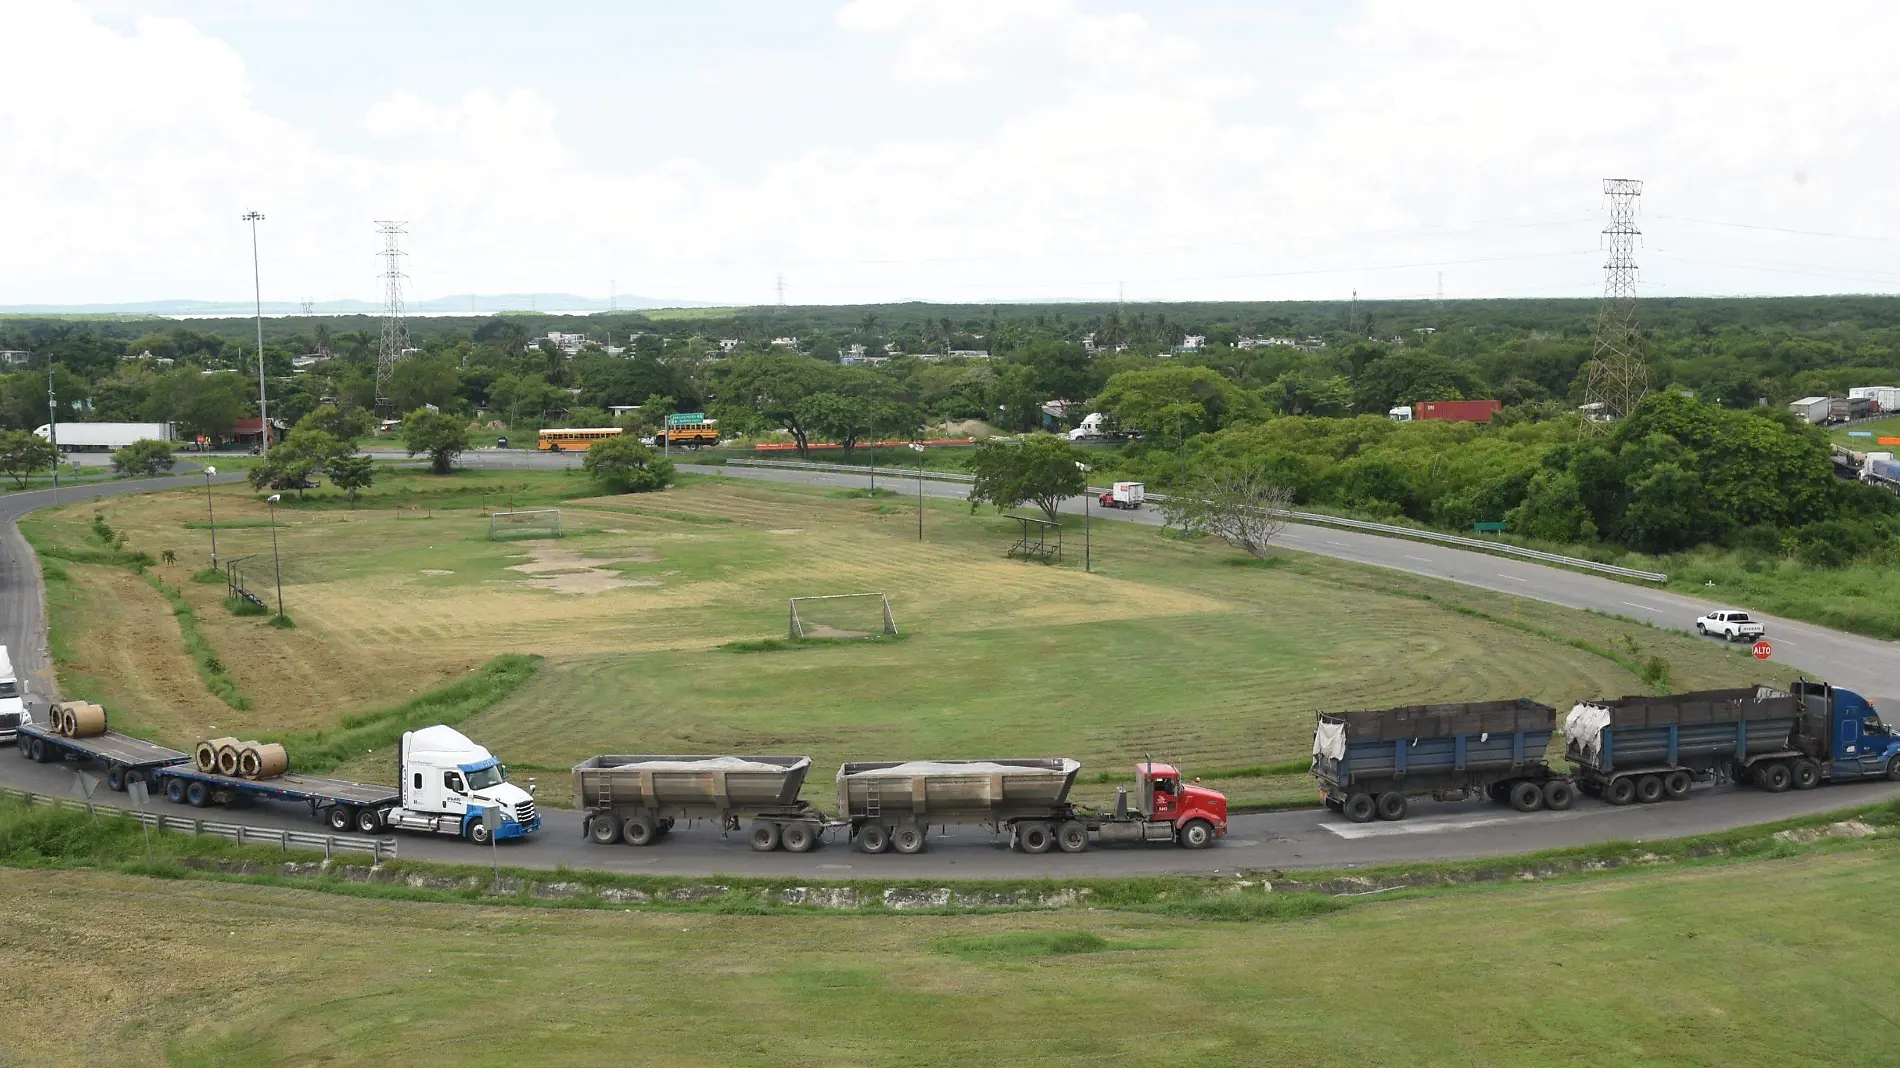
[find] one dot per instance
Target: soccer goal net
(842, 615)
(534, 523)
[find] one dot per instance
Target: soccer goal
(533, 523)
(842, 615)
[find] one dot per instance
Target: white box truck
(1124, 495)
(1812, 409)
(13, 711)
(108, 436)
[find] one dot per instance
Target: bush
(146, 457)
(624, 465)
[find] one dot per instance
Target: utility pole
(52, 426)
(920, 488)
(257, 292)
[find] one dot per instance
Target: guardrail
(1386, 529)
(379, 849)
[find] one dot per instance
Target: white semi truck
(108, 436)
(13, 711)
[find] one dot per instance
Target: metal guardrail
(379, 849)
(1386, 529)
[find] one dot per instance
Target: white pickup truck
(1731, 626)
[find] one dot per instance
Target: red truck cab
(1199, 815)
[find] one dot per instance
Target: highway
(1306, 838)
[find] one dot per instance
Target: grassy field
(1880, 428)
(1166, 649)
(1716, 966)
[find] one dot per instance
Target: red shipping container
(1460, 411)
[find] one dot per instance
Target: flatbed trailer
(126, 759)
(343, 804)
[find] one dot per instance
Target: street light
(920, 489)
(1087, 563)
(257, 293)
(276, 564)
(209, 471)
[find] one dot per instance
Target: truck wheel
(1649, 789)
(1198, 834)
(873, 838)
(764, 836)
(1676, 785)
(198, 794)
(478, 832)
(1774, 777)
(1559, 795)
(1527, 797)
(798, 837)
(908, 839)
(42, 753)
(1392, 805)
(603, 830)
(1361, 808)
(341, 819)
(1034, 837)
(637, 831)
(1072, 837)
(175, 791)
(370, 820)
(1621, 791)
(115, 779)
(1806, 774)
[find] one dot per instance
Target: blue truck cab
(1840, 730)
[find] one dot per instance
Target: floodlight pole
(257, 293)
(52, 427)
(1087, 541)
(276, 563)
(209, 514)
(920, 490)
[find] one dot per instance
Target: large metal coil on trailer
(230, 755)
(79, 719)
(262, 760)
(206, 754)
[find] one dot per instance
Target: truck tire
(1620, 791)
(908, 839)
(1392, 805)
(42, 753)
(341, 818)
(1527, 796)
(1676, 785)
(1361, 808)
(638, 830)
(175, 791)
(1073, 837)
(763, 836)
(798, 837)
(1033, 837)
(1559, 795)
(198, 794)
(603, 830)
(1774, 777)
(1806, 774)
(873, 838)
(371, 820)
(115, 779)
(1649, 789)
(478, 832)
(1197, 834)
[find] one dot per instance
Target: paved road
(1260, 842)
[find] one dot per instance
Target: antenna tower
(781, 291)
(613, 294)
(395, 343)
(1616, 377)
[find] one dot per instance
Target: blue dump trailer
(1649, 749)
(1371, 763)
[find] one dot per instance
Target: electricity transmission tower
(1616, 378)
(781, 291)
(395, 342)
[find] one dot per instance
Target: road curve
(1307, 838)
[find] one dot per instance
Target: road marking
(1513, 578)
(1381, 830)
(1644, 607)
(1420, 559)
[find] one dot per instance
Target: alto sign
(1763, 649)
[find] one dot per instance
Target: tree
(22, 454)
(624, 465)
(147, 457)
(841, 419)
(352, 473)
(346, 423)
(1409, 376)
(422, 380)
(202, 404)
(1042, 470)
(1246, 508)
(441, 435)
(1157, 401)
(772, 384)
(295, 459)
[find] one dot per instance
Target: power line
(1781, 229)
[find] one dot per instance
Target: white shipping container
(106, 435)
(1888, 397)
(1813, 409)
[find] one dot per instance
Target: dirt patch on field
(567, 571)
(132, 645)
(436, 571)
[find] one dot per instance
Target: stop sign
(1763, 650)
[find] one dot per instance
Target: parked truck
(1648, 749)
(1370, 764)
(1812, 409)
(446, 783)
(637, 799)
(890, 804)
(107, 436)
(1880, 469)
(1129, 495)
(1098, 427)
(13, 710)
(1457, 411)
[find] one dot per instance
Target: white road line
(1513, 578)
(1644, 607)
(1383, 830)
(1420, 559)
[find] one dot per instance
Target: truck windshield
(483, 778)
(9, 688)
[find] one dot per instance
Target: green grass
(1879, 428)
(210, 667)
(360, 735)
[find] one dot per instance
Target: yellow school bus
(704, 432)
(574, 439)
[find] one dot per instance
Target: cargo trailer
(1812, 409)
(125, 759)
(638, 799)
(1456, 411)
(1649, 749)
(1371, 763)
(107, 436)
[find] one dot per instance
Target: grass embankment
(1163, 650)
(1611, 968)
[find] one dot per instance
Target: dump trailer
(1650, 748)
(125, 759)
(637, 799)
(1371, 763)
(447, 784)
(890, 804)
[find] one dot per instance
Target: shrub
(624, 465)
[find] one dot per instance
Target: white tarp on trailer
(1584, 727)
(969, 767)
(1329, 741)
(724, 763)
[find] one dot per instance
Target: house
(1055, 413)
(1263, 342)
(245, 431)
(16, 357)
(728, 346)
(784, 342)
(621, 411)
(1192, 343)
(568, 343)
(969, 354)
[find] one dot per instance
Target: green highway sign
(685, 418)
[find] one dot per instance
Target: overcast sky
(951, 150)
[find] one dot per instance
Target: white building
(568, 343)
(1192, 343)
(17, 357)
(784, 342)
